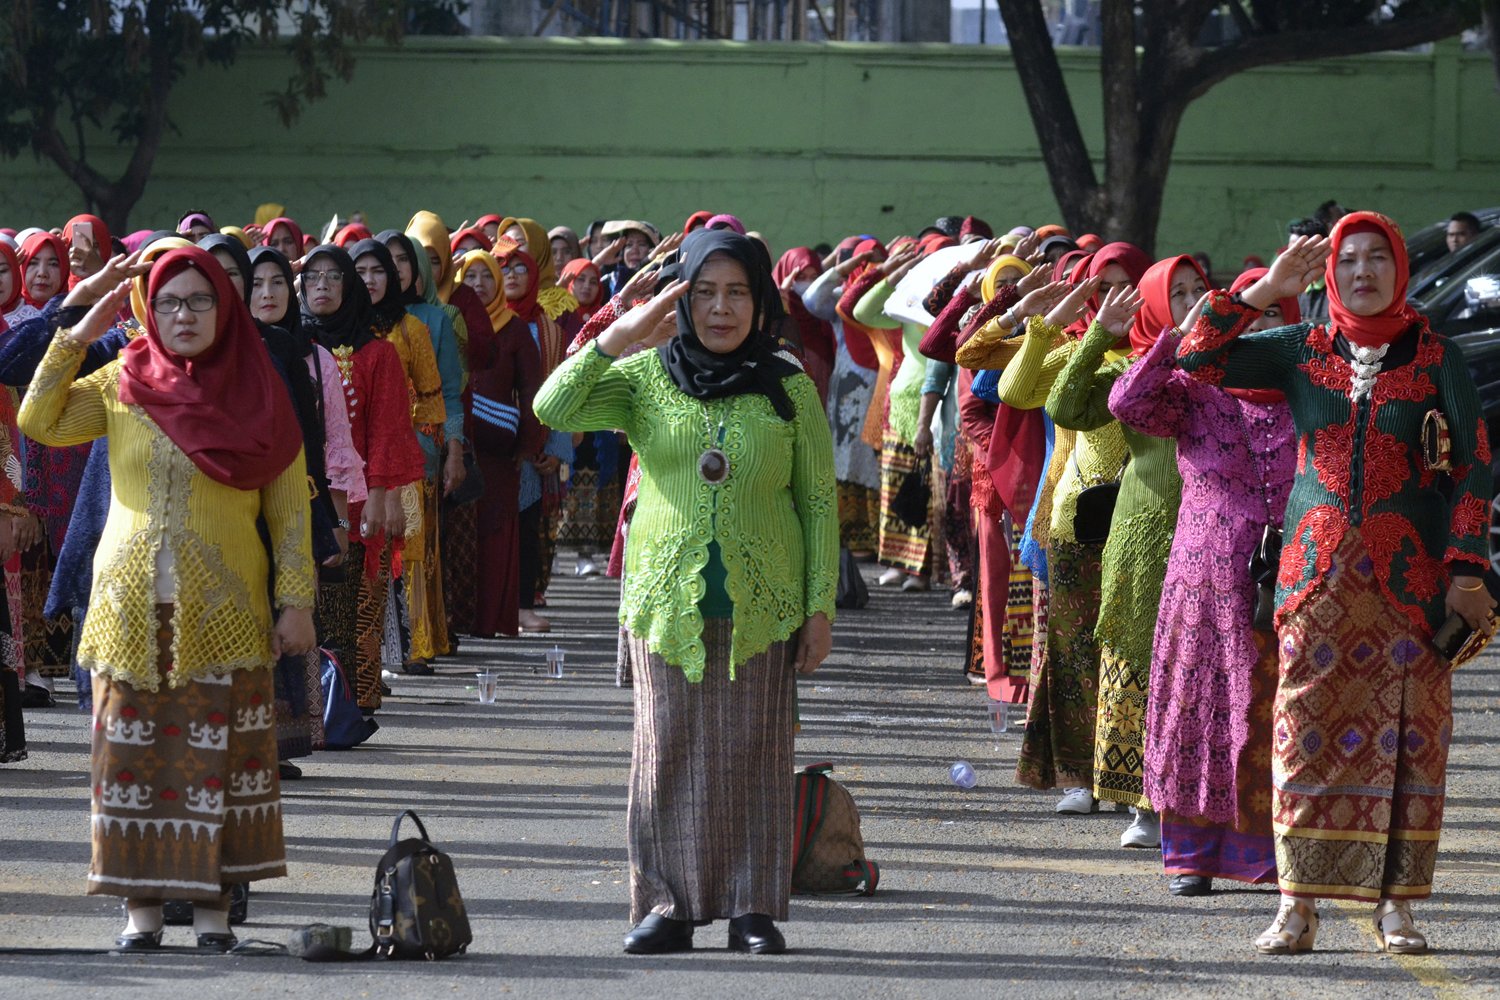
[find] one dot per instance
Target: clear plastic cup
(488, 685)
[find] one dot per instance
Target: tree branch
(1204, 68)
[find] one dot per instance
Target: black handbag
(416, 910)
(1096, 508)
(915, 494)
(471, 489)
(852, 591)
(1264, 564)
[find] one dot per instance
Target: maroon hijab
(227, 408)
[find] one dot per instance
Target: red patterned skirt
(1362, 723)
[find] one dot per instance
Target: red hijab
(352, 234)
(18, 279)
(1291, 314)
(473, 232)
(817, 335)
(571, 270)
(1390, 323)
(226, 408)
(526, 306)
(101, 242)
(270, 230)
(696, 219)
(1155, 316)
(30, 249)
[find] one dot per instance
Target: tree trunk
(1491, 9)
(1064, 152)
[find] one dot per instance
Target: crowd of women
(370, 447)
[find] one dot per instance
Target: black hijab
(351, 325)
(291, 321)
(235, 249)
(754, 366)
(390, 309)
(409, 297)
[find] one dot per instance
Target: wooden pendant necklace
(713, 464)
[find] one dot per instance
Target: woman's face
(722, 306)
(435, 262)
(1113, 276)
(44, 276)
(516, 276)
(7, 281)
(405, 266)
(1269, 319)
(269, 293)
(1185, 289)
(1007, 276)
(196, 232)
(482, 281)
(231, 268)
(637, 246)
(562, 252)
(374, 276)
(323, 285)
(467, 244)
(1365, 273)
(283, 239)
(517, 235)
(491, 231)
(585, 287)
(187, 314)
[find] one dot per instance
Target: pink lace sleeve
(1152, 396)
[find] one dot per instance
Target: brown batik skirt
(186, 797)
(709, 819)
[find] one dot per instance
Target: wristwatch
(343, 523)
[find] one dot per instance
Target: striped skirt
(902, 545)
(186, 797)
(710, 813)
(1362, 722)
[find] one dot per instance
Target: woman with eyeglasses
(203, 440)
(336, 312)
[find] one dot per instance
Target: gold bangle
(1468, 590)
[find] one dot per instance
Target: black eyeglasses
(170, 305)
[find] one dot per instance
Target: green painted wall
(804, 142)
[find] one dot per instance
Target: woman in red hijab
(794, 274)
(203, 442)
(89, 246)
(284, 234)
(1386, 546)
(1140, 534)
(44, 260)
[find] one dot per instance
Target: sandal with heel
(1294, 929)
(1396, 930)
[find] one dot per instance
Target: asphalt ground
(984, 892)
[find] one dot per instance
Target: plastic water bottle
(962, 773)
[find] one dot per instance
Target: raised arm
(870, 310)
(822, 296)
(1217, 351)
(1080, 398)
(1027, 379)
(1154, 397)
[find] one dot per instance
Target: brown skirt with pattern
(186, 797)
(709, 818)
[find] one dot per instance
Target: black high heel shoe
(755, 933)
(658, 935)
(218, 943)
(138, 941)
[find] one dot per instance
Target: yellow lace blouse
(222, 617)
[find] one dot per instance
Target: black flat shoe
(385, 689)
(1190, 885)
(36, 696)
(417, 668)
(289, 771)
(218, 943)
(139, 941)
(755, 933)
(658, 935)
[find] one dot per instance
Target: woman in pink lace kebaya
(1213, 677)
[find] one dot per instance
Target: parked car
(1428, 246)
(1460, 296)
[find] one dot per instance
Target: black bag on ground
(915, 495)
(852, 592)
(416, 910)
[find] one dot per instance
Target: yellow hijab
(553, 300)
(138, 304)
(991, 282)
(499, 313)
(428, 230)
(239, 234)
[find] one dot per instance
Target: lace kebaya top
(775, 516)
(1359, 458)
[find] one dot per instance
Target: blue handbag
(344, 725)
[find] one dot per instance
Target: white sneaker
(915, 583)
(389, 675)
(586, 567)
(1144, 832)
(890, 576)
(962, 598)
(1077, 801)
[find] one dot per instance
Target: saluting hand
(1067, 312)
(1291, 272)
(642, 322)
(1119, 308)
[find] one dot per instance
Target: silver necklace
(1365, 366)
(713, 464)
